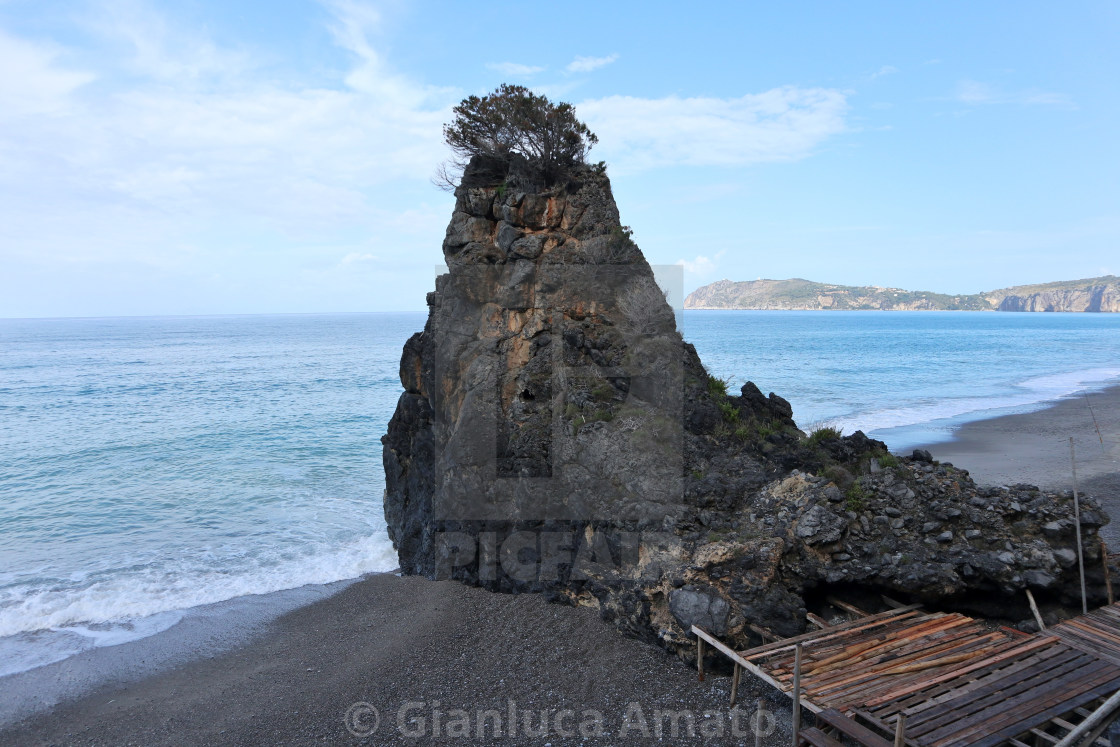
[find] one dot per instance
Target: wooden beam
(699, 657)
(1094, 719)
(817, 620)
(1037, 614)
(752, 668)
(797, 697)
(846, 606)
(819, 635)
(1107, 577)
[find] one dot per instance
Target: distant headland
(1091, 294)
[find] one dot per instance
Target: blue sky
(234, 157)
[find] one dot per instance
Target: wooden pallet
(957, 680)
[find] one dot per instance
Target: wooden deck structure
(955, 680)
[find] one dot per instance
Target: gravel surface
(415, 649)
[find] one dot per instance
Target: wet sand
(1034, 448)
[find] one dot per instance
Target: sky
(205, 157)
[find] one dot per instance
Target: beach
(418, 652)
(411, 649)
(1033, 448)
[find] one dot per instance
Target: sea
(151, 466)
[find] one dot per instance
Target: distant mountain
(1093, 294)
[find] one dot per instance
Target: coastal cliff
(1093, 295)
(557, 435)
(1096, 294)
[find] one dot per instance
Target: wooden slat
(958, 681)
(1012, 716)
(835, 630)
(985, 663)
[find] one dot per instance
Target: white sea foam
(1026, 395)
(42, 625)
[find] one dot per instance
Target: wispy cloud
(976, 93)
(514, 69)
(33, 82)
(783, 124)
(701, 264)
(884, 70)
(587, 64)
(160, 48)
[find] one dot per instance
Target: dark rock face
(557, 435)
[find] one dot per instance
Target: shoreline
(411, 649)
(206, 630)
(1033, 448)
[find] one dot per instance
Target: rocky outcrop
(557, 435)
(1100, 294)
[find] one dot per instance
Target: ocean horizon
(157, 464)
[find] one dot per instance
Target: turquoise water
(154, 464)
(908, 378)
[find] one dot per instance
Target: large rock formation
(556, 434)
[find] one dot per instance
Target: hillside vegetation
(1092, 294)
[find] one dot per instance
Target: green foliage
(502, 189)
(696, 474)
(824, 434)
(743, 433)
(603, 392)
(888, 461)
(513, 122)
(855, 497)
(730, 412)
(717, 387)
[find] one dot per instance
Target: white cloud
(975, 93)
(237, 148)
(514, 69)
(587, 64)
(32, 82)
(701, 264)
(884, 70)
(359, 257)
(783, 124)
(162, 49)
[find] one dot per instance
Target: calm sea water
(149, 465)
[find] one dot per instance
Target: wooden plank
(961, 710)
(1047, 712)
(1034, 706)
(846, 606)
(853, 729)
(881, 668)
(991, 661)
(817, 738)
(965, 707)
(788, 643)
(949, 689)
